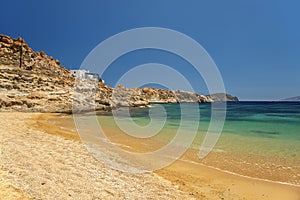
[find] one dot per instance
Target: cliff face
(39, 83)
(222, 97)
(35, 82)
(141, 97)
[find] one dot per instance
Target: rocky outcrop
(142, 97)
(154, 95)
(35, 82)
(222, 97)
(31, 81)
(124, 97)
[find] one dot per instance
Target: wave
(241, 175)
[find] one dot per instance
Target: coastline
(214, 183)
(193, 180)
(199, 178)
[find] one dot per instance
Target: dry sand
(43, 166)
(35, 164)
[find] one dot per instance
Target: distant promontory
(297, 98)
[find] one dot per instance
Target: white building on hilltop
(79, 73)
(85, 74)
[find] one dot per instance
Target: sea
(259, 140)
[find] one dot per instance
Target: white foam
(233, 173)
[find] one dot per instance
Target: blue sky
(255, 44)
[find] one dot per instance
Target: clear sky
(255, 43)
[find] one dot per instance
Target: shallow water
(259, 139)
(264, 128)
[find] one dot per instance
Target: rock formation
(222, 97)
(35, 82)
(134, 97)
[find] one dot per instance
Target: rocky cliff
(35, 82)
(122, 96)
(222, 97)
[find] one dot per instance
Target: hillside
(222, 97)
(36, 82)
(39, 83)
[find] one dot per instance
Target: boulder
(6, 39)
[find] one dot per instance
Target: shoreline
(197, 178)
(264, 167)
(241, 175)
(274, 189)
(197, 181)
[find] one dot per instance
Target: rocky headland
(36, 82)
(222, 97)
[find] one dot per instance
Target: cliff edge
(35, 82)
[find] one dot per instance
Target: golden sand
(193, 179)
(37, 165)
(202, 181)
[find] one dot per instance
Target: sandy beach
(37, 165)
(42, 160)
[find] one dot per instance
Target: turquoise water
(260, 119)
(259, 139)
(262, 128)
(270, 122)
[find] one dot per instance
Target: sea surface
(273, 125)
(259, 140)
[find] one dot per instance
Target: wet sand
(193, 179)
(208, 183)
